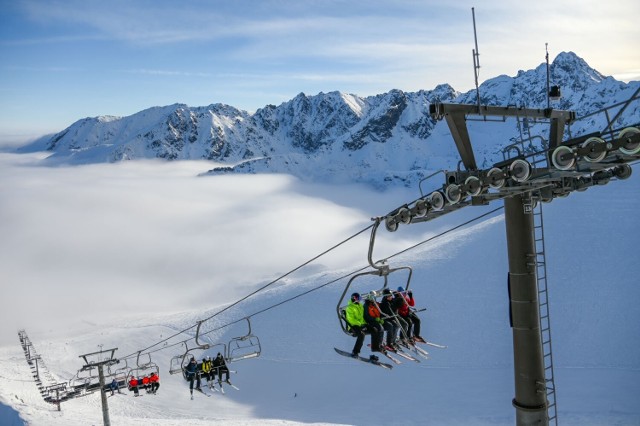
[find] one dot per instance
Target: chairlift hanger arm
(383, 269)
(455, 115)
(200, 345)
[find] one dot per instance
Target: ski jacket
(206, 366)
(371, 312)
(191, 368)
(219, 362)
(406, 301)
(388, 307)
(154, 378)
(133, 382)
(355, 314)
(145, 380)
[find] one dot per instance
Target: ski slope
(218, 239)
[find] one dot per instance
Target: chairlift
(85, 381)
(176, 364)
(144, 367)
(179, 363)
(244, 347)
(118, 372)
(380, 269)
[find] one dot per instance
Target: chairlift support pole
(530, 396)
(100, 362)
(530, 391)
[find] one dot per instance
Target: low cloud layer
(95, 242)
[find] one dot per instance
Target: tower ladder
(545, 322)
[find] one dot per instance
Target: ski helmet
(355, 297)
(400, 289)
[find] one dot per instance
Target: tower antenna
(546, 56)
(553, 92)
(476, 57)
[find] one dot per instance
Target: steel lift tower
(534, 170)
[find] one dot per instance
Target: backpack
(373, 311)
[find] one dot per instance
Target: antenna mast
(546, 56)
(476, 56)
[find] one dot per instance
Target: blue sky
(66, 60)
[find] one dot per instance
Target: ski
(386, 353)
(363, 359)
(202, 392)
(412, 347)
(435, 345)
(229, 383)
(421, 352)
(221, 388)
(406, 355)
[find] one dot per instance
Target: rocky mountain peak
(383, 139)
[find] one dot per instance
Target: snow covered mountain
(383, 140)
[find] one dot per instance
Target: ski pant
(413, 324)
(193, 377)
(358, 331)
(377, 333)
(402, 326)
(154, 387)
(392, 331)
(222, 369)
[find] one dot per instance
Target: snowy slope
(460, 278)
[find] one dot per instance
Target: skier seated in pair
(406, 302)
(354, 316)
(220, 364)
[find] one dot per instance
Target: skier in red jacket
(404, 310)
(133, 385)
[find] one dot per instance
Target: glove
(410, 293)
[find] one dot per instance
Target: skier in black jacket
(192, 373)
(220, 364)
(389, 308)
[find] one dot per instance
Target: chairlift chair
(376, 290)
(244, 347)
(144, 367)
(380, 268)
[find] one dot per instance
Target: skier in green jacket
(354, 314)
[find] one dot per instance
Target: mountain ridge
(383, 140)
